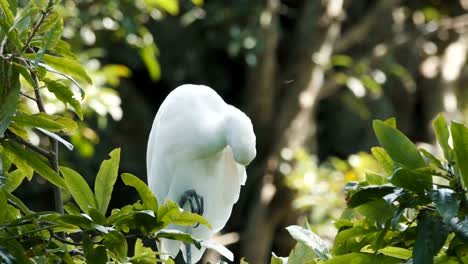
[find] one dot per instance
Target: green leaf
(3, 206)
(369, 193)
(6, 12)
(391, 122)
(442, 134)
(52, 123)
(300, 254)
(362, 258)
(79, 189)
(461, 229)
(64, 65)
(13, 180)
(148, 54)
(93, 255)
(398, 146)
(50, 38)
(430, 237)
(10, 91)
(146, 195)
(170, 213)
(14, 249)
(170, 6)
(396, 252)
(143, 255)
(97, 216)
(179, 235)
(383, 158)
(36, 163)
(105, 180)
(411, 180)
(460, 147)
(64, 94)
(116, 243)
(21, 164)
(278, 260)
(311, 240)
(446, 203)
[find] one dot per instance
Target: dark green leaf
(460, 147)
(430, 237)
(311, 240)
(461, 229)
(398, 146)
(3, 206)
(79, 189)
(105, 180)
(146, 195)
(10, 91)
(411, 180)
(36, 163)
(446, 203)
(442, 134)
(14, 249)
(369, 193)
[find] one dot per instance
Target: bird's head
(240, 135)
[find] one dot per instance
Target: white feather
(199, 142)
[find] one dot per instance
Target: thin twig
(55, 236)
(28, 144)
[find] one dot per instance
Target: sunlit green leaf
(398, 146)
(50, 38)
(45, 121)
(148, 54)
(3, 206)
(116, 243)
(64, 65)
(384, 159)
(310, 239)
(362, 258)
(105, 180)
(13, 180)
(7, 12)
(170, 6)
(179, 235)
(79, 189)
(146, 195)
(442, 134)
(64, 94)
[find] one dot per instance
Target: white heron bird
(198, 149)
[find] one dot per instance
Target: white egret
(197, 152)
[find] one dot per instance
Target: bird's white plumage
(199, 142)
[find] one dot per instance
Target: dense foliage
(34, 58)
(415, 211)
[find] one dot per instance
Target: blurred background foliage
(310, 74)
